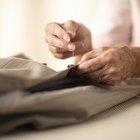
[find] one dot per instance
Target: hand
(109, 65)
(65, 38)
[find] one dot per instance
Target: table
(120, 123)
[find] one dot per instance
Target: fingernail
(72, 34)
(81, 66)
(71, 47)
(66, 38)
(79, 63)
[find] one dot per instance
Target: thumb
(71, 28)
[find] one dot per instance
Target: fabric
(117, 23)
(50, 108)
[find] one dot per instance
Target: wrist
(134, 56)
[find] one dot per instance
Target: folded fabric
(25, 100)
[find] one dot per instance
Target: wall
(22, 24)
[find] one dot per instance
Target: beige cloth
(51, 108)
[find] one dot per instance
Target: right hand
(65, 38)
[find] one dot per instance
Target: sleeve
(112, 23)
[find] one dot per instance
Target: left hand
(107, 65)
(68, 37)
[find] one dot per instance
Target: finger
(71, 28)
(87, 56)
(77, 47)
(54, 49)
(91, 65)
(55, 41)
(109, 80)
(95, 76)
(92, 74)
(56, 29)
(62, 55)
(110, 77)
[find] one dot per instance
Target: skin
(110, 65)
(65, 38)
(106, 65)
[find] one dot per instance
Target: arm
(110, 65)
(114, 63)
(113, 23)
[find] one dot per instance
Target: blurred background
(22, 24)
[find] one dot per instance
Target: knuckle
(59, 34)
(58, 50)
(71, 28)
(61, 44)
(53, 49)
(110, 57)
(59, 55)
(49, 25)
(112, 71)
(102, 49)
(86, 56)
(83, 69)
(58, 43)
(71, 22)
(86, 68)
(52, 40)
(56, 29)
(53, 26)
(49, 39)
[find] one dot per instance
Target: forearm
(135, 55)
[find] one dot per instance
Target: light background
(22, 24)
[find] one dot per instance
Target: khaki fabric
(52, 108)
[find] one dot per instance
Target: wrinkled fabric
(19, 107)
